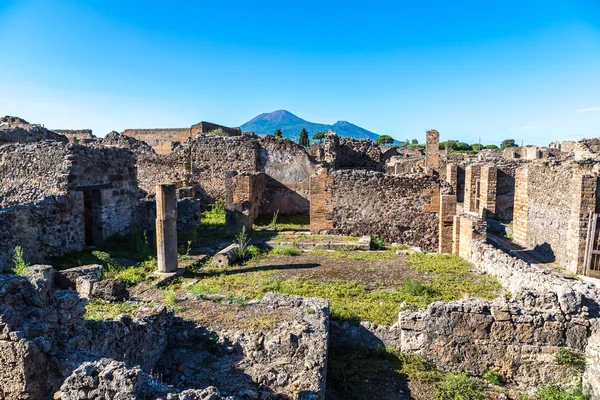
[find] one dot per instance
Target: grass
(214, 216)
(20, 266)
(306, 238)
(493, 377)
(286, 251)
(460, 387)
(99, 310)
(353, 301)
(555, 393)
(282, 222)
(130, 275)
(353, 255)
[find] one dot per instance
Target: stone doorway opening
(92, 201)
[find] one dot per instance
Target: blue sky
(527, 70)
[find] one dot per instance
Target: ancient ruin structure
(514, 214)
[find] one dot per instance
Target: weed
(418, 368)
(555, 393)
(20, 266)
(258, 323)
(273, 224)
(460, 387)
(130, 275)
(377, 242)
(286, 251)
(508, 294)
(99, 310)
(572, 359)
(170, 298)
(215, 215)
(140, 239)
(415, 288)
(284, 222)
(492, 377)
(242, 240)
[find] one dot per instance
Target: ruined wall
(76, 135)
(551, 208)
(160, 139)
(17, 130)
(394, 207)
(45, 228)
(207, 127)
(348, 153)
(213, 155)
(505, 191)
(288, 168)
(31, 172)
(44, 337)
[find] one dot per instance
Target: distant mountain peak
(291, 125)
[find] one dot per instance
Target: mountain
(291, 125)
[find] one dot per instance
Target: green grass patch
(353, 254)
(286, 251)
(99, 310)
(555, 393)
(460, 387)
(131, 275)
(492, 377)
(309, 238)
(574, 360)
(214, 216)
(353, 301)
(282, 223)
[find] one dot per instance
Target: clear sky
(526, 69)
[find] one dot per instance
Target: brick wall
(487, 193)
(446, 220)
(472, 175)
(243, 195)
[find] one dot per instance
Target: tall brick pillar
(585, 203)
(455, 234)
(243, 193)
(521, 208)
(452, 176)
(166, 227)
(487, 192)
(432, 149)
(321, 196)
(472, 175)
(446, 219)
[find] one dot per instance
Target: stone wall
(432, 149)
(348, 153)
(160, 139)
(44, 337)
(552, 203)
(243, 198)
(17, 130)
(208, 127)
(373, 203)
(288, 168)
(76, 135)
(30, 172)
(213, 155)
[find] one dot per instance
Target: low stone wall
(398, 208)
(17, 130)
(44, 337)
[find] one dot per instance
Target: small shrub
(242, 240)
(20, 267)
(493, 377)
(418, 368)
(286, 251)
(555, 393)
(460, 387)
(508, 294)
(572, 359)
(253, 251)
(377, 242)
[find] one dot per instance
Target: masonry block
(447, 212)
(432, 148)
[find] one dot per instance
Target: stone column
(452, 176)
(321, 197)
(166, 227)
(446, 218)
(471, 228)
(432, 148)
(585, 187)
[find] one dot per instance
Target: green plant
(278, 134)
(414, 287)
(20, 266)
(170, 298)
(100, 310)
(570, 358)
(508, 294)
(215, 215)
(492, 377)
(242, 239)
(273, 224)
(140, 240)
(460, 387)
(377, 242)
(319, 136)
(286, 251)
(555, 393)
